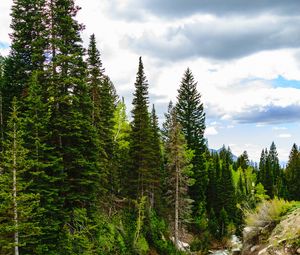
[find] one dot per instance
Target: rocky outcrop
(280, 239)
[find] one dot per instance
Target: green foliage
(268, 212)
(191, 116)
(293, 174)
(141, 173)
(27, 50)
(201, 244)
(79, 234)
(213, 225)
(111, 235)
(223, 223)
(19, 207)
(157, 234)
(178, 166)
(270, 173)
(121, 139)
(260, 193)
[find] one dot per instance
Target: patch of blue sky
(281, 82)
(4, 45)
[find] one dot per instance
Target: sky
(245, 56)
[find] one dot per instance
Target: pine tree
(45, 174)
(268, 178)
(73, 135)
(293, 174)
(167, 122)
(227, 192)
(2, 63)
(275, 168)
(95, 78)
(191, 116)
(262, 167)
(140, 144)
(179, 173)
(156, 160)
(211, 193)
(223, 222)
(18, 206)
(213, 225)
(104, 99)
(243, 161)
(27, 49)
(107, 106)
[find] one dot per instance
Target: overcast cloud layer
(179, 8)
(245, 56)
(219, 38)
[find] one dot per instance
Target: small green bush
(268, 213)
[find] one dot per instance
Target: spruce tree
(45, 174)
(18, 230)
(211, 192)
(268, 178)
(107, 105)
(27, 48)
(293, 174)
(73, 135)
(262, 167)
(179, 175)
(223, 223)
(275, 168)
(156, 159)
(2, 62)
(167, 122)
(227, 192)
(140, 142)
(104, 99)
(191, 116)
(243, 161)
(95, 79)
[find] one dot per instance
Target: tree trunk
(15, 203)
(176, 207)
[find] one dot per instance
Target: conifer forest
(80, 174)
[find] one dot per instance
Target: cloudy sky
(245, 56)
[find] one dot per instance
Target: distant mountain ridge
(234, 157)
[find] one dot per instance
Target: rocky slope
(274, 239)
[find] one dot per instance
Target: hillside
(275, 231)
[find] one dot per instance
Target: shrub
(268, 213)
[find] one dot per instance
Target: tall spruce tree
(73, 135)
(95, 78)
(156, 159)
(45, 173)
(2, 61)
(227, 189)
(191, 116)
(179, 173)
(167, 122)
(104, 99)
(140, 143)
(275, 169)
(262, 167)
(18, 230)
(293, 174)
(27, 48)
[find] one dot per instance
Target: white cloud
(279, 128)
(229, 88)
(286, 135)
(211, 131)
